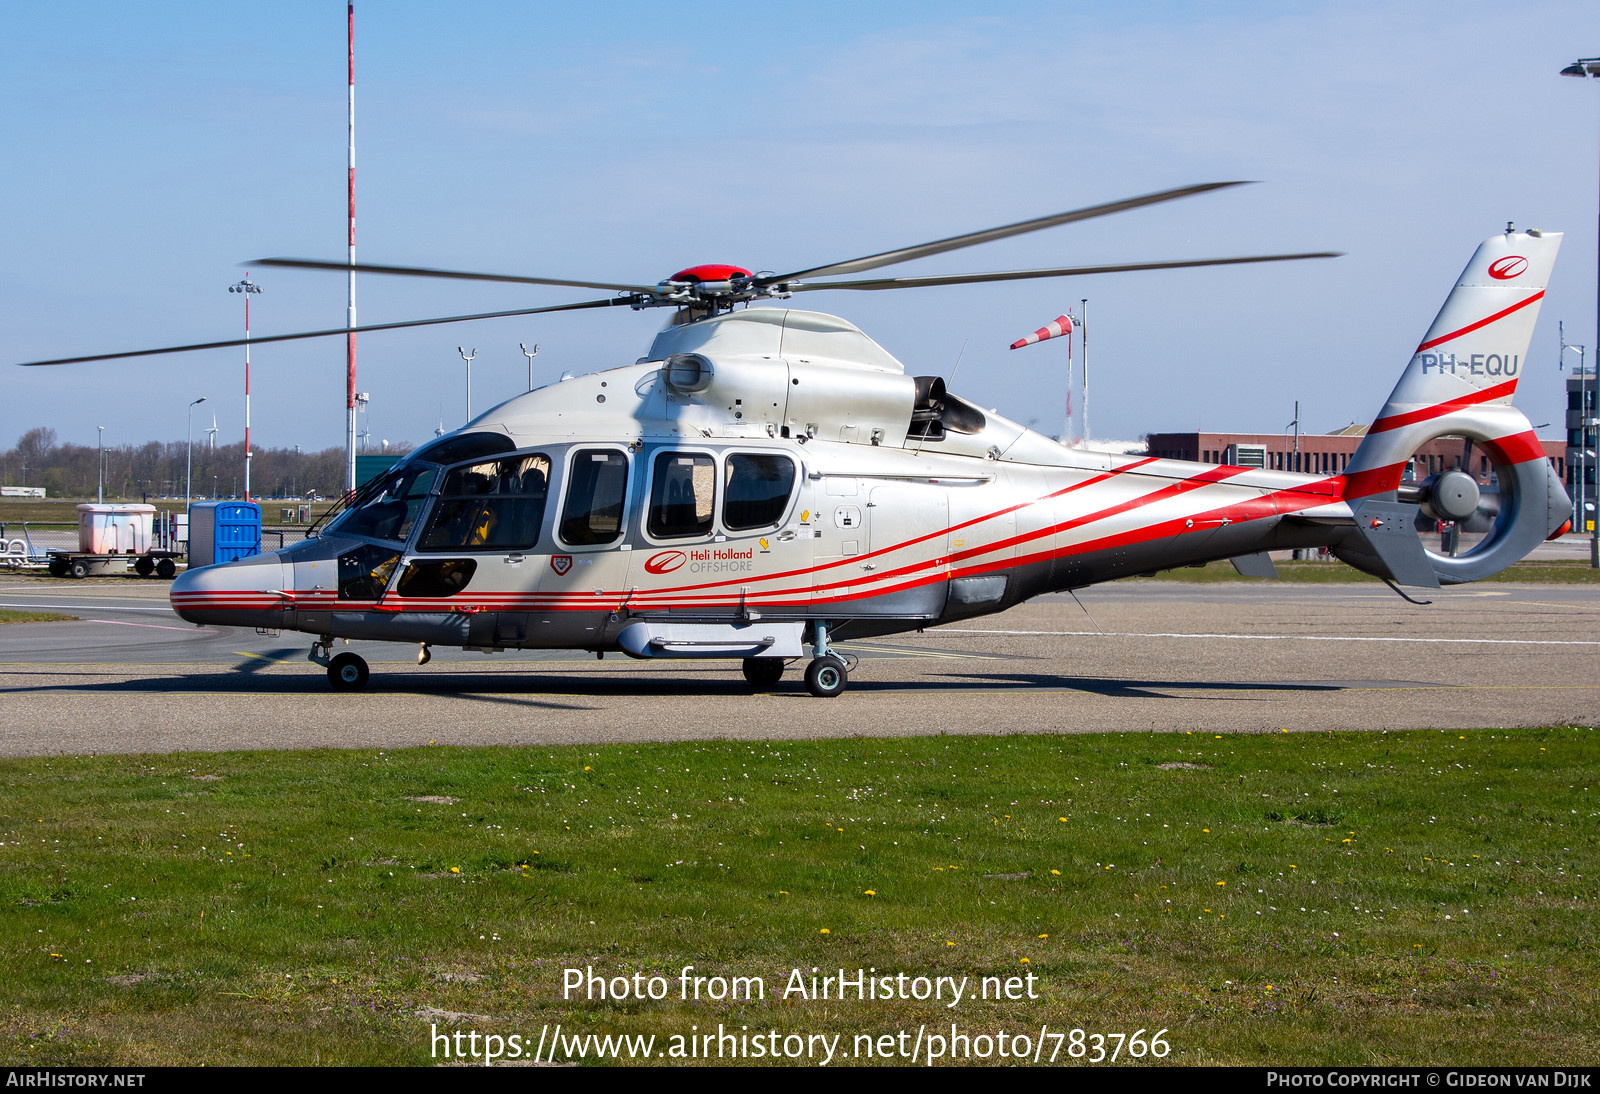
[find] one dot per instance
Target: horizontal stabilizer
(1387, 531)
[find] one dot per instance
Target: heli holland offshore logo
(561, 564)
(665, 562)
(1504, 269)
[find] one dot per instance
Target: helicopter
(767, 482)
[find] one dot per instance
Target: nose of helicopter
(248, 593)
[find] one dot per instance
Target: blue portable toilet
(222, 531)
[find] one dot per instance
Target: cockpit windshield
(390, 511)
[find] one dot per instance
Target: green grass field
(1356, 898)
(12, 615)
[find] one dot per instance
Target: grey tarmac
(130, 676)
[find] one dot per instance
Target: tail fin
(1459, 382)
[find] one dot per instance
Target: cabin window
(494, 505)
(756, 490)
(596, 487)
(682, 495)
(392, 510)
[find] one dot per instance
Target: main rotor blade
(234, 342)
(923, 250)
(426, 271)
(1062, 271)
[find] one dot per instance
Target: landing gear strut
(826, 676)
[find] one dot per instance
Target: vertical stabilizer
(1468, 362)
(1459, 383)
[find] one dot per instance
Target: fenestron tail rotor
(707, 290)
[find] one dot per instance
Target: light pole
(188, 466)
(248, 289)
(100, 466)
(468, 360)
(530, 357)
(1583, 67)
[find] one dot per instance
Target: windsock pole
(1083, 324)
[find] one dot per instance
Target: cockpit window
(392, 509)
(464, 446)
(496, 505)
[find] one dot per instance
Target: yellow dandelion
(783, 892)
(1269, 987)
(432, 742)
(1218, 736)
(1206, 910)
(1283, 731)
(949, 943)
(1205, 829)
(1222, 883)
(1056, 872)
(1063, 820)
(455, 869)
(824, 930)
(1044, 936)
(586, 767)
(1292, 866)
(1025, 961)
(871, 892)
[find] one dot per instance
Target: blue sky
(151, 148)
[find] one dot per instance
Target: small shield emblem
(561, 564)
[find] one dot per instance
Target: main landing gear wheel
(763, 672)
(826, 677)
(347, 672)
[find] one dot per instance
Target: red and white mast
(350, 307)
(247, 288)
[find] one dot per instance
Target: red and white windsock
(1054, 329)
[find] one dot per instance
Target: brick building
(1322, 453)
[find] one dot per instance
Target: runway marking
(152, 626)
(92, 607)
(1281, 637)
(910, 651)
(270, 660)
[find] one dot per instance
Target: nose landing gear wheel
(763, 672)
(347, 672)
(826, 677)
